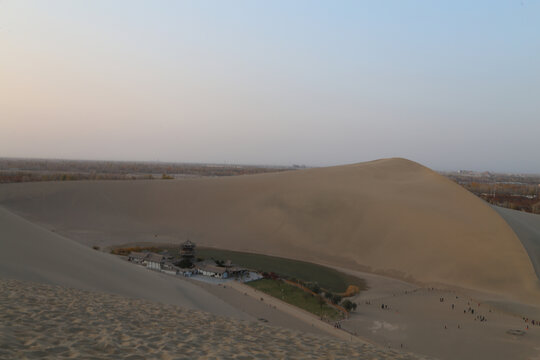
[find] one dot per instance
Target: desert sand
(47, 312)
(390, 216)
(416, 320)
(29, 252)
(60, 298)
(40, 321)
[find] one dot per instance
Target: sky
(450, 84)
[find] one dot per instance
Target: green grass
(296, 297)
(327, 278)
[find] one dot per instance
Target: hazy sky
(450, 84)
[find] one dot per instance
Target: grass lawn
(296, 297)
(327, 278)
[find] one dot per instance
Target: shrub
(348, 305)
(351, 291)
(220, 263)
(313, 286)
(127, 251)
(336, 299)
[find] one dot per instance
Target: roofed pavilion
(188, 250)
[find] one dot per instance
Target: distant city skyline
(452, 85)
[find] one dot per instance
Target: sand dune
(393, 216)
(51, 322)
(28, 252)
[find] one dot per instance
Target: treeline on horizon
(512, 191)
(29, 170)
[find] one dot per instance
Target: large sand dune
(393, 216)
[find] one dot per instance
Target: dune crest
(392, 215)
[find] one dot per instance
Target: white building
(170, 269)
(155, 261)
(212, 270)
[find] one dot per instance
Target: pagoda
(187, 252)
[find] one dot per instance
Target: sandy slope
(50, 322)
(416, 320)
(393, 216)
(28, 252)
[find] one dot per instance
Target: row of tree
(44, 166)
(335, 299)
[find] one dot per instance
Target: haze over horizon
(451, 86)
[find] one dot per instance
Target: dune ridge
(392, 215)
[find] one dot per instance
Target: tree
(336, 299)
(314, 287)
(185, 264)
(348, 305)
(321, 302)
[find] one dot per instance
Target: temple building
(187, 252)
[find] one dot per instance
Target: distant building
(187, 253)
(138, 257)
(237, 271)
(169, 268)
(167, 255)
(164, 262)
(212, 270)
(155, 261)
